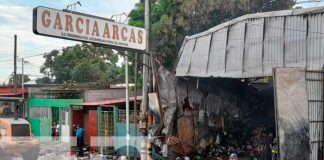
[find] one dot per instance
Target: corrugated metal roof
(106, 102)
(251, 45)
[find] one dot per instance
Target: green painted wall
(65, 103)
(42, 126)
(35, 126)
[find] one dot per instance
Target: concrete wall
(101, 94)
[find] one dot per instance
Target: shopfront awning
(106, 102)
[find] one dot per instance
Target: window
(20, 130)
(40, 112)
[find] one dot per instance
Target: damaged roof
(251, 45)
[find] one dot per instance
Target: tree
(131, 74)
(43, 80)
(19, 79)
(172, 20)
(81, 63)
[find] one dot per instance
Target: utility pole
(127, 106)
(22, 79)
(135, 104)
(15, 64)
(23, 87)
(145, 82)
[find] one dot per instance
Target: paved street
(53, 150)
(49, 150)
(161, 79)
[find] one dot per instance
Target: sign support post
(97, 30)
(127, 106)
(145, 84)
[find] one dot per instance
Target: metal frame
(315, 79)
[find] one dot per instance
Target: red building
(10, 91)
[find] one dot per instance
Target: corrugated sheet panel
(184, 62)
(252, 45)
(315, 90)
(315, 41)
(235, 48)
(273, 44)
(295, 41)
(216, 61)
(200, 55)
(252, 63)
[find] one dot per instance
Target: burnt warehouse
(227, 116)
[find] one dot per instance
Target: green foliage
(172, 20)
(43, 80)
(131, 73)
(86, 64)
(138, 15)
(81, 63)
(19, 79)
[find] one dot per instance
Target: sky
(16, 18)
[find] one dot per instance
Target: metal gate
(315, 91)
(107, 131)
(41, 120)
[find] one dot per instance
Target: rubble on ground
(216, 117)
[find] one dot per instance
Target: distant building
(51, 103)
(9, 91)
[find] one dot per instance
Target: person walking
(79, 135)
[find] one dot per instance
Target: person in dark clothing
(268, 143)
(53, 130)
(79, 134)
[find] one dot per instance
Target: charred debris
(211, 118)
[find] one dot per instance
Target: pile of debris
(204, 117)
(254, 145)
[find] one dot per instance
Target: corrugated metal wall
(315, 89)
(250, 46)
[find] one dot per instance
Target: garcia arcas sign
(87, 28)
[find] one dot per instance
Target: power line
(8, 60)
(317, 4)
(42, 54)
(32, 49)
(35, 66)
(261, 25)
(310, 1)
(192, 19)
(7, 79)
(5, 42)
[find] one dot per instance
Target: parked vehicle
(15, 133)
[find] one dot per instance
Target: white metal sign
(87, 28)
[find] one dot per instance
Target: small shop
(105, 125)
(42, 113)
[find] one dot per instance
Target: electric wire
(192, 19)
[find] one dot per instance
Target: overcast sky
(16, 18)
